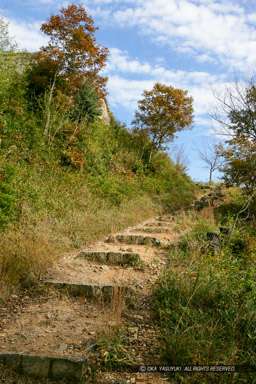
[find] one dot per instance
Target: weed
(206, 304)
(114, 351)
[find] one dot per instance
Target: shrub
(8, 194)
(206, 304)
(86, 104)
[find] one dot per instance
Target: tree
(73, 45)
(211, 156)
(236, 113)
(235, 109)
(86, 104)
(162, 112)
(180, 157)
(240, 163)
(6, 44)
(41, 75)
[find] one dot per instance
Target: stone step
(36, 366)
(137, 239)
(153, 230)
(189, 208)
(158, 224)
(92, 291)
(116, 258)
(166, 218)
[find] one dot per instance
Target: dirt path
(88, 296)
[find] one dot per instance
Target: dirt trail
(109, 283)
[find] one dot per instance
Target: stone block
(99, 257)
(11, 360)
(140, 240)
(91, 291)
(36, 366)
(68, 368)
(198, 205)
(214, 238)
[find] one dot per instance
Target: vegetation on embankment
(66, 177)
(206, 298)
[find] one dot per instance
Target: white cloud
(125, 92)
(27, 35)
(207, 29)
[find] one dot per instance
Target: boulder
(225, 231)
(214, 238)
(198, 205)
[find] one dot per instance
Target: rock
(117, 258)
(225, 231)
(158, 224)
(153, 230)
(63, 347)
(205, 200)
(61, 318)
(188, 208)
(11, 360)
(70, 368)
(99, 257)
(36, 366)
(90, 291)
(140, 240)
(105, 268)
(120, 381)
(198, 205)
(214, 238)
(104, 111)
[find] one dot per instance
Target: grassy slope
(71, 186)
(55, 209)
(206, 302)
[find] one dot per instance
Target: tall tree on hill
(235, 109)
(72, 54)
(163, 111)
(235, 112)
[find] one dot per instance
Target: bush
(206, 306)
(86, 105)
(8, 194)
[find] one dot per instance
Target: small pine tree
(86, 104)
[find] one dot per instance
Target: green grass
(70, 184)
(57, 210)
(206, 306)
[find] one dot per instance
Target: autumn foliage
(163, 111)
(72, 41)
(72, 54)
(236, 113)
(240, 163)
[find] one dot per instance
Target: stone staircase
(54, 337)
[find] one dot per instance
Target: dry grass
(25, 255)
(82, 227)
(112, 314)
(28, 250)
(207, 214)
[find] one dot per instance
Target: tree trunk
(210, 180)
(150, 155)
(48, 107)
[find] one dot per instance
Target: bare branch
(210, 156)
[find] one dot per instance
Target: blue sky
(195, 45)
